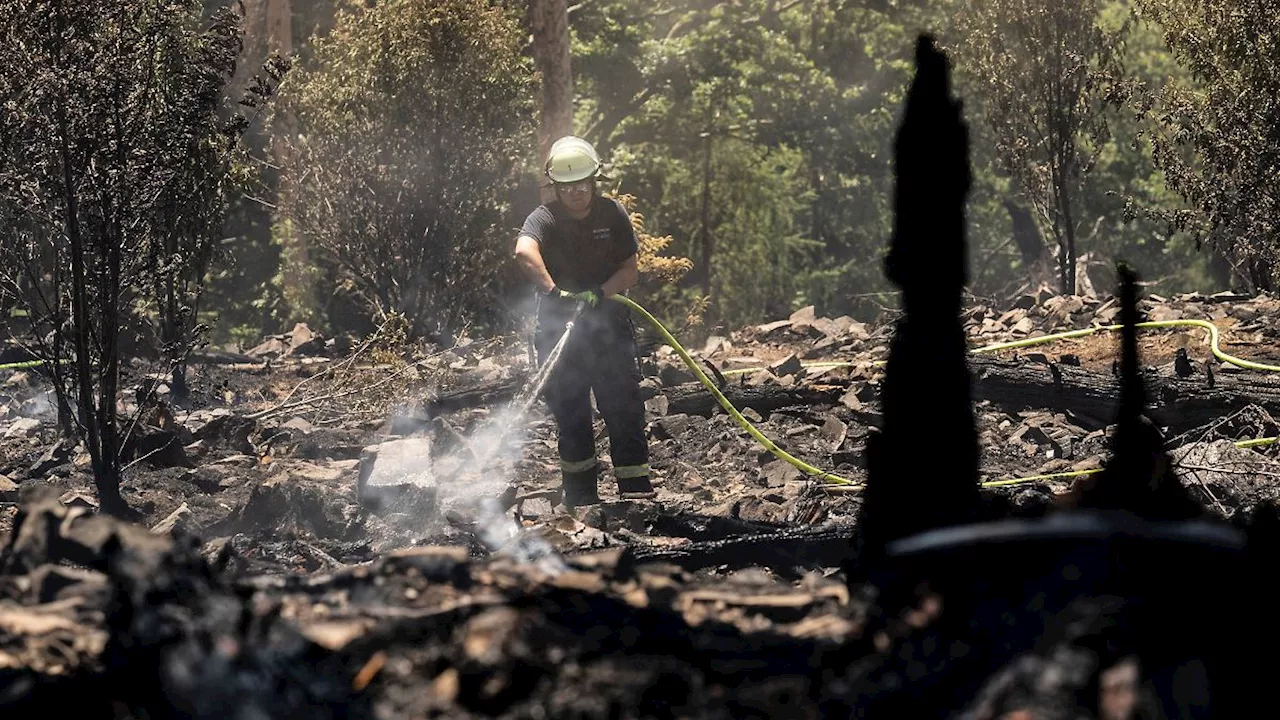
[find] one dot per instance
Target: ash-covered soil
(720, 597)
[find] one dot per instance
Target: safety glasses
(581, 187)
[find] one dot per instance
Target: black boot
(635, 488)
(580, 488)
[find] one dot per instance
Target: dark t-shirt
(582, 254)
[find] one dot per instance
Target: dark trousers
(600, 355)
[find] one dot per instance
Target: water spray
(497, 529)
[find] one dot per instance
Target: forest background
(373, 160)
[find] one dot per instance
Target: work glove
(591, 298)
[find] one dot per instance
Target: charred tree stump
(926, 376)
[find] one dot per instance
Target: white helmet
(572, 159)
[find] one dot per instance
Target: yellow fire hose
(22, 365)
(1027, 342)
(838, 480)
(724, 401)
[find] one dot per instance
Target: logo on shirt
(601, 233)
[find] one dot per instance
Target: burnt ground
(430, 604)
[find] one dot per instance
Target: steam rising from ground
(475, 472)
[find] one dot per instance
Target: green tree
(1216, 134)
(789, 106)
(412, 121)
(1048, 73)
(116, 155)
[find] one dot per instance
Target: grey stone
(299, 424)
(8, 489)
(391, 469)
(22, 427)
(780, 472)
(789, 365)
(179, 519)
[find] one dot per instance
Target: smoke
(42, 406)
(477, 470)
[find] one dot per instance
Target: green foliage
(1215, 133)
(1047, 72)
(799, 100)
(412, 121)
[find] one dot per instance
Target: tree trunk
(1069, 238)
(1031, 244)
(295, 255)
(549, 23)
(707, 241)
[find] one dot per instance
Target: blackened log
(694, 399)
(485, 394)
(784, 550)
(689, 398)
(1176, 403)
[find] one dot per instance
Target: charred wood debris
(1135, 593)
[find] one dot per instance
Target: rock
(392, 470)
(1030, 434)
(156, 447)
(212, 478)
(751, 415)
(850, 400)
(671, 426)
(1012, 316)
(1023, 326)
(285, 504)
(300, 336)
(1033, 501)
(327, 473)
(180, 519)
(8, 489)
(229, 432)
(849, 328)
(761, 377)
(656, 406)
(534, 508)
(671, 375)
(715, 344)
(834, 432)
(77, 499)
(789, 365)
(299, 424)
(778, 473)
(770, 328)
(18, 379)
(754, 509)
(273, 346)
(54, 456)
(804, 314)
(1163, 313)
(23, 427)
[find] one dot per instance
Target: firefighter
(577, 250)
